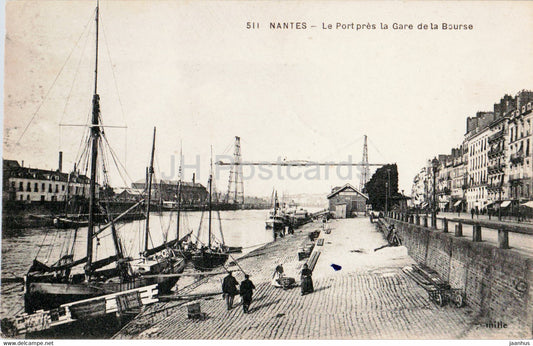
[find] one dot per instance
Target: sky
(194, 71)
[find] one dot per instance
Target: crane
(296, 163)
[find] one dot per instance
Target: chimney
(22, 164)
(60, 165)
(193, 178)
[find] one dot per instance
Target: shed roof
(349, 187)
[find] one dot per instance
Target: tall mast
(96, 58)
(95, 136)
(179, 195)
(150, 175)
(210, 191)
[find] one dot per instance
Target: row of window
(476, 194)
(43, 198)
(514, 131)
(478, 162)
(50, 188)
(478, 146)
(520, 147)
(520, 191)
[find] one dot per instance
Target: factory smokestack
(60, 164)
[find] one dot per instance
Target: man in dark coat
(229, 289)
(246, 289)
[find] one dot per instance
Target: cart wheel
(439, 299)
(458, 300)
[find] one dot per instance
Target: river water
(244, 228)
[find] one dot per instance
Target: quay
(370, 297)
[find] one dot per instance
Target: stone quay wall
(497, 281)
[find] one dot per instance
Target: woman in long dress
(306, 280)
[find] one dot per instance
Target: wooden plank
(311, 263)
(42, 320)
(184, 274)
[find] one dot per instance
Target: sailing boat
(71, 279)
(210, 256)
(160, 259)
(183, 246)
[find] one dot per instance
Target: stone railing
(426, 220)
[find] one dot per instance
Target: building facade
(346, 201)
(444, 182)
(192, 193)
(27, 184)
(476, 138)
(493, 167)
(420, 189)
(497, 161)
(458, 188)
(519, 142)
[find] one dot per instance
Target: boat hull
(45, 295)
(274, 224)
(207, 260)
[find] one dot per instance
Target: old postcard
(267, 170)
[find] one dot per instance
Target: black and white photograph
(266, 170)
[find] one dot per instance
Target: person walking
(229, 289)
(477, 212)
(306, 280)
(472, 211)
(246, 290)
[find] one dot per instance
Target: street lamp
(387, 185)
(435, 164)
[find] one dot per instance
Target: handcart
(444, 294)
(439, 291)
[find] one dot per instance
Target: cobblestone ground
(369, 298)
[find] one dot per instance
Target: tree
(377, 187)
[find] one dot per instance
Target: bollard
(418, 220)
(425, 221)
(476, 233)
(503, 239)
(445, 225)
(459, 230)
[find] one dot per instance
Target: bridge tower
(365, 168)
(235, 184)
